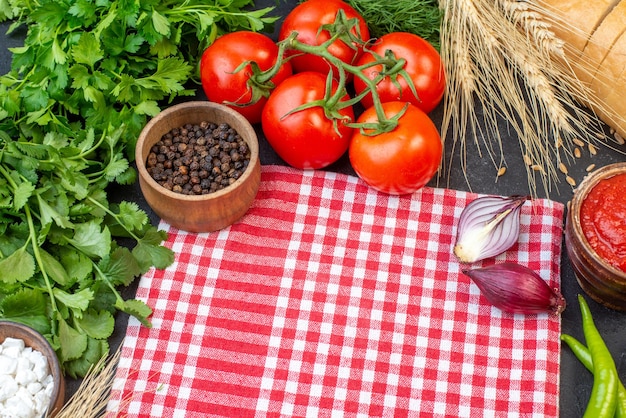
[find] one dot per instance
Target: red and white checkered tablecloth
(330, 299)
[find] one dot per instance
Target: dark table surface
(575, 380)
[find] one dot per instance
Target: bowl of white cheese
(31, 381)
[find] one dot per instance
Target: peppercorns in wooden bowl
(198, 165)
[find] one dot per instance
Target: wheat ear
(518, 72)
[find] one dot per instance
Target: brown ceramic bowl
(599, 279)
(36, 341)
(207, 212)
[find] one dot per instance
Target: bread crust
(595, 39)
(609, 85)
(601, 42)
(574, 21)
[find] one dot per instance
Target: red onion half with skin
(487, 227)
(514, 288)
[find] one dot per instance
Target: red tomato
(307, 18)
(423, 65)
(401, 161)
(222, 85)
(305, 139)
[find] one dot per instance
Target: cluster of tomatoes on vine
(297, 88)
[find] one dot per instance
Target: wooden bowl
(602, 281)
(206, 212)
(36, 341)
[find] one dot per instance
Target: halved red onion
(488, 226)
(514, 288)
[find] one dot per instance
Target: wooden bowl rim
(253, 143)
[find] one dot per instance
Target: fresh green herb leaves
(109, 63)
(60, 267)
(79, 91)
(421, 17)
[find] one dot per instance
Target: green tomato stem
(332, 103)
(384, 124)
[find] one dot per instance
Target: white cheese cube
(34, 388)
(23, 363)
(24, 395)
(8, 387)
(8, 365)
(12, 347)
(39, 365)
(41, 400)
(25, 376)
(4, 413)
(26, 384)
(16, 407)
(48, 386)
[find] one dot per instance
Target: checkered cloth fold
(330, 299)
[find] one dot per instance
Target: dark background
(480, 176)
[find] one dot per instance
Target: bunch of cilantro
(79, 91)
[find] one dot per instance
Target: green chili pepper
(603, 400)
(584, 356)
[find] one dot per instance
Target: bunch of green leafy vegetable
(421, 17)
(80, 89)
(101, 63)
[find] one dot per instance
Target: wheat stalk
(503, 55)
(91, 397)
(527, 16)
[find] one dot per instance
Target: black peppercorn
(197, 159)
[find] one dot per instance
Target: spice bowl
(603, 281)
(32, 345)
(219, 199)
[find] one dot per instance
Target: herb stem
(110, 285)
(115, 216)
(32, 238)
(37, 254)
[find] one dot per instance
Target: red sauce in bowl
(603, 220)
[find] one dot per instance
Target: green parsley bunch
(77, 95)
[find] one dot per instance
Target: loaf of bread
(575, 21)
(595, 37)
(600, 42)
